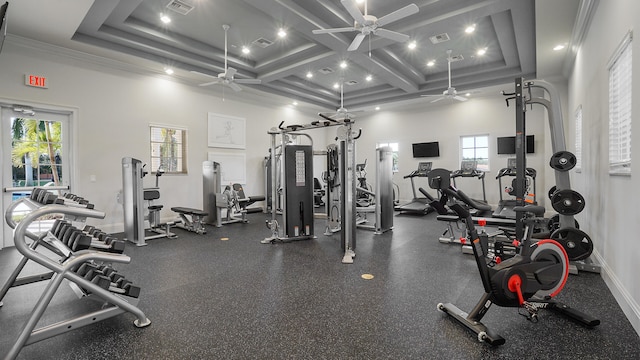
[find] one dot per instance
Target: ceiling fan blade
(436, 100)
(356, 42)
(203, 74)
(234, 86)
(210, 83)
(353, 10)
(334, 30)
(248, 81)
(398, 14)
(460, 98)
(392, 35)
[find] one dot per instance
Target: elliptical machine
(529, 280)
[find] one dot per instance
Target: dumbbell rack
(87, 269)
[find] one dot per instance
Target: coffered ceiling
(193, 43)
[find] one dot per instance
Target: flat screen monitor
(507, 145)
(428, 149)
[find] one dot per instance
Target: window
(394, 148)
(168, 149)
(578, 138)
(620, 108)
(475, 147)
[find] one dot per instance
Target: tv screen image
(507, 145)
(428, 149)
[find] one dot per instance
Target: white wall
(446, 124)
(609, 216)
(115, 109)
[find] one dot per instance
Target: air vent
(262, 42)
(351, 82)
(436, 39)
(326, 70)
(455, 58)
(180, 7)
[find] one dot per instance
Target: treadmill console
(423, 168)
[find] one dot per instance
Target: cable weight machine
(296, 185)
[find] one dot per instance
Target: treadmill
(419, 205)
(469, 169)
(505, 206)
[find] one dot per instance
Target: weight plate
(552, 191)
(567, 202)
(576, 243)
(563, 161)
(554, 223)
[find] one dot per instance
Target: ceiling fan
(227, 77)
(451, 92)
(341, 113)
(368, 24)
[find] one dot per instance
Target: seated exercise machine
(528, 281)
(419, 205)
(133, 200)
(236, 203)
(191, 219)
(232, 198)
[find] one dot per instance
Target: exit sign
(36, 81)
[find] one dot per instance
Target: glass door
(35, 153)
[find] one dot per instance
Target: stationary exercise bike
(529, 280)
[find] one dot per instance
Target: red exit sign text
(35, 81)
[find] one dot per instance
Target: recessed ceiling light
(245, 50)
(369, 78)
(377, 108)
(295, 103)
(282, 33)
(558, 47)
(431, 63)
(168, 71)
(470, 29)
(336, 85)
(165, 19)
(412, 45)
(481, 52)
(343, 65)
(359, 1)
(467, 94)
(309, 75)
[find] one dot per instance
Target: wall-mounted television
(427, 149)
(507, 145)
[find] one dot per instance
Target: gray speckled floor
(239, 299)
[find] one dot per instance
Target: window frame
(481, 167)
(620, 117)
(156, 160)
(578, 138)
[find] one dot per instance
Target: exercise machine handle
(359, 134)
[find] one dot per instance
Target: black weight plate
(563, 161)
(552, 191)
(554, 223)
(576, 243)
(567, 202)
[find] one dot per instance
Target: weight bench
(192, 219)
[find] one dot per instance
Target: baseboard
(629, 306)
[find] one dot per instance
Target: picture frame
(226, 131)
